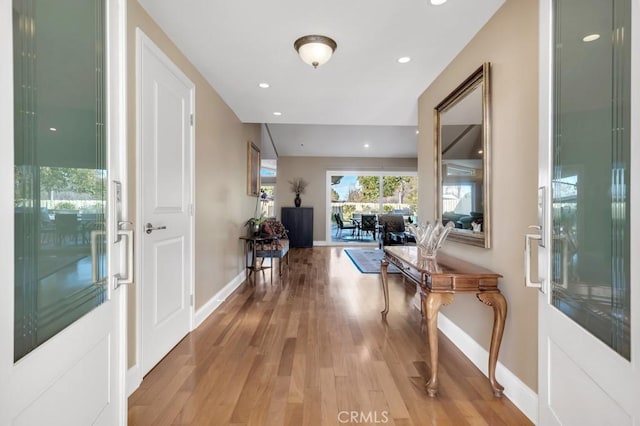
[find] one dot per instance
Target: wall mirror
(462, 143)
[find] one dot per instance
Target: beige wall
(221, 203)
(314, 171)
(509, 42)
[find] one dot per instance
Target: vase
(254, 229)
(429, 238)
(297, 201)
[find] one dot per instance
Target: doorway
(356, 198)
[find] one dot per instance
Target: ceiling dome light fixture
(315, 50)
(438, 2)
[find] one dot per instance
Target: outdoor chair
(392, 230)
(369, 223)
(342, 225)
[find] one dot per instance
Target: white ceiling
(237, 44)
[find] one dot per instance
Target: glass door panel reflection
(60, 169)
(591, 157)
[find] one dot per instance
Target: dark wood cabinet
(299, 222)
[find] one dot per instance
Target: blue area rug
(368, 260)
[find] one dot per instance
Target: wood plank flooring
(311, 349)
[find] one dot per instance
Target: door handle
(127, 278)
(527, 261)
(149, 228)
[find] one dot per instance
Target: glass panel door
(591, 157)
(60, 166)
(358, 198)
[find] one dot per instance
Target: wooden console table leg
(384, 264)
(432, 303)
(499, 305)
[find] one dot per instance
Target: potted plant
(298, 186)
(253, 223)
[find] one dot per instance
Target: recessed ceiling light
(366, 145)
(404, 59)
(263, 85)
(480, 151)
(590, 37)
(53, 129)
(438, 2)
(277, 113)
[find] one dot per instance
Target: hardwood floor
(311, 349)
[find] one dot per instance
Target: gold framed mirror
(462, 153)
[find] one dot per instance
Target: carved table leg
(384, 264)
(432, 303)
(499, 305)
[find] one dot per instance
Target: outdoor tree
(369, 188)
(87, 183)
(334, 195)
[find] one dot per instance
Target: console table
(250, 244)
(439, 280)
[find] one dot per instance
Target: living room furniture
(299, 224)
(271, 243)
(439, 280)
(250, 243)
(277, 247)
(341, 226)
(369, 223)
(391, 229)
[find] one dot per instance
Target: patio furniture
(369, 223)
(392, 230)
(342, 225)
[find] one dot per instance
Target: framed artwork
(253, 169)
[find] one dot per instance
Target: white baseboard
(134, 379)
(520, 394)
(213, 303)
(134, 376)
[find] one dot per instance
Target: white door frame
(38, 368)
(142, 40)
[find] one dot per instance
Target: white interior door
(588, 211)
(62, 340)
(165, 102)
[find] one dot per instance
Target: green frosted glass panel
(60, 168)
(591, 157)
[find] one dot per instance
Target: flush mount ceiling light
(438, 2)
(315, 50)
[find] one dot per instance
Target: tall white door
(62, 313)
(589, 213)
(165, 108)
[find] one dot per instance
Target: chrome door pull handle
(527, 261)
(149, 228)
(128, 277)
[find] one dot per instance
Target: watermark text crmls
(374, 417)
